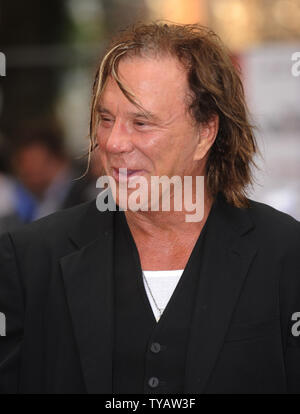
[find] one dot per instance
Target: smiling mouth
(124, 174)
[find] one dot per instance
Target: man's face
(165, 142)
(32, 166)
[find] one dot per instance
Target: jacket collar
(91, 225)
(228, 254)
(87, 275)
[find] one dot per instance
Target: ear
(206, 137)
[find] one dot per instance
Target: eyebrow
(146, 114)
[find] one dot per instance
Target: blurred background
(52, 50)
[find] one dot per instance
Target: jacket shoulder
(53, 224)
(272, 223)
(52, 232)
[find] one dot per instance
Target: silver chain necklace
(160, 310)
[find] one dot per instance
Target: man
(44, 177)
(141, 300)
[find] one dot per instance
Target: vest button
(153, 382)
(155, 347)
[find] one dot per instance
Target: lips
(124, 174)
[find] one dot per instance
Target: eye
(140, 123)
(105, 120)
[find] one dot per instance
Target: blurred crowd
(38, 176)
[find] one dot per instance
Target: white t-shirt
(162, 284)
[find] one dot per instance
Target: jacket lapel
(88, 275)
(227, 258)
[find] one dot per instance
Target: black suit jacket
(56, 292)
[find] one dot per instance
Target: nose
(119, 139)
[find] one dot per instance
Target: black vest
(149, 356)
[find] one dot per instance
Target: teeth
(122, 172)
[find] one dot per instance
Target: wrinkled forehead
(157, 83)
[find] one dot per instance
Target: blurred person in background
(45, 179)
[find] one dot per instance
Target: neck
(151, 223)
